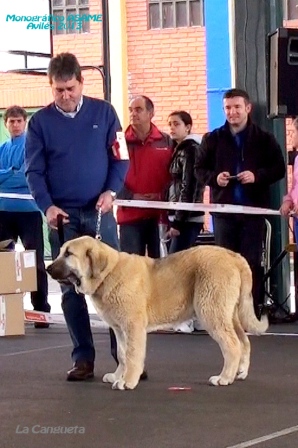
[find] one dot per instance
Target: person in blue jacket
(73, 170)
(20, 216)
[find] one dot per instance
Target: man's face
(16, 126)
(67, 94)
(138, 114)
(236, 110)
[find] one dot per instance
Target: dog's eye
(67, 253)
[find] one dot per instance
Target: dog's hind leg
(135, 356)
(230, 347)
(245, 349)
(121, 348)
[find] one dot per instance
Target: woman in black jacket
(184, 225)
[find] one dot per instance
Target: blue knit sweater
(69, 161)
(12, 178)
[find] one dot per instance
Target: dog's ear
(97, 262)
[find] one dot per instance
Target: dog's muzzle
(60, 272)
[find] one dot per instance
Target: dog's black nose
(49, 269)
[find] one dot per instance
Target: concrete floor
(34, 395)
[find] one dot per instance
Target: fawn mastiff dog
(136, 294)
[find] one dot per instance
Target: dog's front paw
(131, 384)
(217, 380)
(119, 384)
(109, 378)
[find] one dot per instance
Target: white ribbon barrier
(189, 206)
(48, 318)
(16, 196)
(197, 207)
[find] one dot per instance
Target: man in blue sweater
(72, 171)
(19, 214)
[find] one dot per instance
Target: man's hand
(171, 233)
(105, 202)
(287, 207)
(51, 215)
(246, 177)
(223, 179)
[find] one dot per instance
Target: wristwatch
(113, 194)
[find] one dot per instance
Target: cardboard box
(17, 276)
(17, 270)
(11, 315)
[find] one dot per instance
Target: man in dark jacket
(239, 161)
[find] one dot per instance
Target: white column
(118, 59)
(231, 6)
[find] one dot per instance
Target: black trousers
(244, 234)
(28, 227)
(140, 237)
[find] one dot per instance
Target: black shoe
(144, 376)
(41, 325)
(81, 371)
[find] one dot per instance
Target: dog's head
(83, 262)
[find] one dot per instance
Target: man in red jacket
(148, 177)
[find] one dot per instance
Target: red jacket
(148, 172)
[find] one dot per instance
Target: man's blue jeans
(82, 222)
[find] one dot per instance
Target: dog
(136, 294)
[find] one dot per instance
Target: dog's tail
(247, 314)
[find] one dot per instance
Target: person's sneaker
(41, 325)
(81, 371)
(185, 327)
(197, 326)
